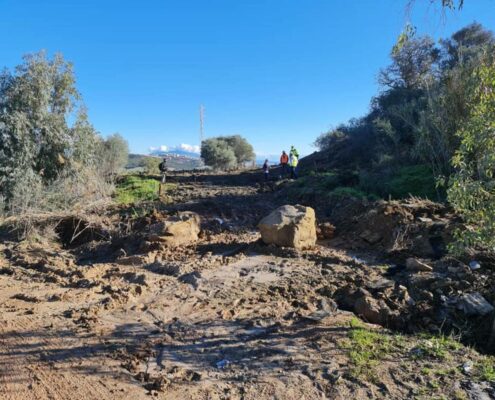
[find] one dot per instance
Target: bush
(472, 190)
(414, 180)
(114, 154)
(151, 165)
(344, 191)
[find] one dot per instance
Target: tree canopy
(226, 152)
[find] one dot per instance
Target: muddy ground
(98, 312)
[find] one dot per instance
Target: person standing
(294, 152)
(294, 161)
(284, 162)
(163, 169)
(266, 170)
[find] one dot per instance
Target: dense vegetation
(51, 157)
(226, 152)
(430, 128)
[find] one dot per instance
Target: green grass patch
(486, 369)
(135, 189)
(366, 348)
(437, 347)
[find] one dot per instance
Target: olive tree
(217, 153)
(114, 155)
(226, 152)
(45, 135)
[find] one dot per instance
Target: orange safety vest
(284, 159)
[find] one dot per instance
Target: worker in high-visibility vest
(284, 162)
(293, 162)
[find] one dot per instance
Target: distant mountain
(179, 152)
(174, 161)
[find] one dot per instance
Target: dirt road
(225, 318)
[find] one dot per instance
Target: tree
(50, 154)
(472, 190)
(114, 155)
(242, 149)
(36, 102)
(226, 152)
(217, 153)
(151, 165)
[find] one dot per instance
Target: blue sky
(276, 72)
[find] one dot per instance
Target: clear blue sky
(278, 72)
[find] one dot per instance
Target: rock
(474, 304)
(290, 226)
(380, 284)
(178, 230)
(414, 265)
(374, 311)
(371, 237)
(325, 231)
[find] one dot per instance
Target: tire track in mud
(44, 362)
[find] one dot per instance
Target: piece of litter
(474, 265)
(222, 364)
(467, 367)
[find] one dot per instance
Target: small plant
(134, 189)
(487, 369)
(366, 348)
(439, 347)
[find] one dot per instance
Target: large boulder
(177, 230)
(290, 226)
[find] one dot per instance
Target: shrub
(151, 165)
(472, 190)
(414, 180)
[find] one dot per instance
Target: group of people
(288, 162)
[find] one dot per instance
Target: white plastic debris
(474, 265)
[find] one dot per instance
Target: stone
(414, 265)
(474, 304)
(372, 310)
(325, 231)
(380, 284)
(181, 229)
(290, 226)
(371, 237)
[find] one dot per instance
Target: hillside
(174, 161)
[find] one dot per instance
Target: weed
(366, 348)
(439, 347)
(486, 369)
(134, 188)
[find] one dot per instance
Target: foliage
(413, 180)
(348, 192)
(220, 152)
(472, 190)
(242, 149)
(406, 142)
(114, 154)
(135, 188)
(366, 349)
(41, 151)
(151, 165)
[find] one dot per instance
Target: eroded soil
(114, 317)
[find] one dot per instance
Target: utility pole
(201, 123)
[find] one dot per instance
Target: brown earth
(103, 312)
